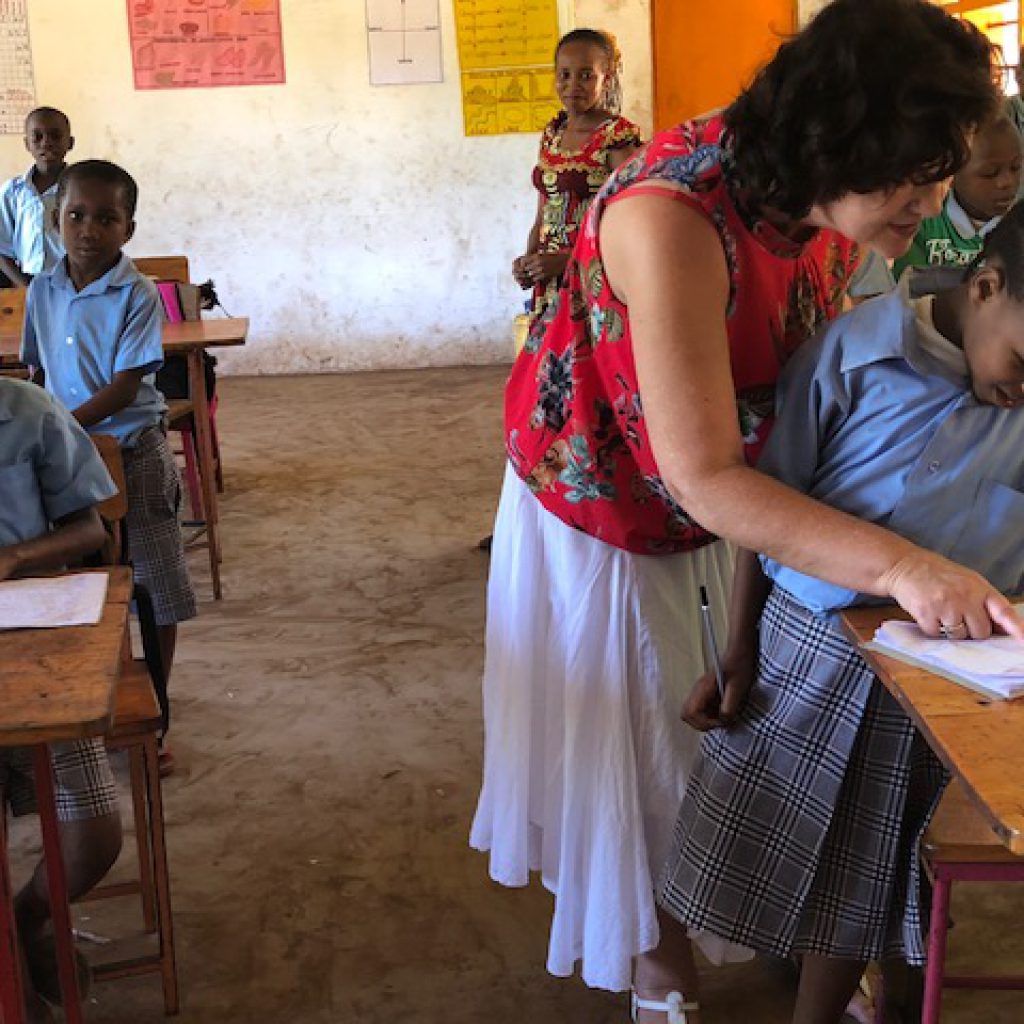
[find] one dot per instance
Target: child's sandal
(673, 1006)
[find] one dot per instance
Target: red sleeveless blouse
(574, 421)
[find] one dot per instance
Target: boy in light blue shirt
(799, 833)
(879, 419)
(29, 239)
(50, 472)
(51, 479)
(93, 328)
(84, 338)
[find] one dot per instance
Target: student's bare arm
(13, 271)
(666, 262)
(71, 539)
(117, 395)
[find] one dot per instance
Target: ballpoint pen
(710, 645)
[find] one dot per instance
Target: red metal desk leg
(12, 996)
(207, 475)
(57, 883)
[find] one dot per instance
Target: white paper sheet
(40, 603)
(994, 666)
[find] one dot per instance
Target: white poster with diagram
(17, 76)
(404, 42)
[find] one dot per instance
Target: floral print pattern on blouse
(575, 428)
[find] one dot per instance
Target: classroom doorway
(704, 53)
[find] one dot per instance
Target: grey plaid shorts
(801, 825)
(83, 781)
(152, 530)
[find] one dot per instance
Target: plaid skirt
(83, 782)
(152, 531)
(800, 829)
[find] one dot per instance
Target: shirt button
(933, 467)
(71, 340)
(74, 391)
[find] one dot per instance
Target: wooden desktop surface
(60, 684)
(177, 338)
(980, 740)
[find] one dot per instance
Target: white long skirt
(591, 651)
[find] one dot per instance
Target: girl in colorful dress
(580, 147)
(634, 417)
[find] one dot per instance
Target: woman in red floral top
(580, 147)
(634, 418)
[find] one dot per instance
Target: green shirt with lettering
(939, 244)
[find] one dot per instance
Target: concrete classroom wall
(357, 226)
(806, 9)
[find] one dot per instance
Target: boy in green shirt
(982, 193)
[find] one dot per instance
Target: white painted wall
(630, 22)
(357, 226)
(806, 9)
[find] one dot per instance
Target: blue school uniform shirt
(27, 231)
(49, 467)
(870, 421)
(81, 339)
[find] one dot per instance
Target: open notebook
(52, 601)
(994, 667)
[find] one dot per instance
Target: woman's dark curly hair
(872, 94)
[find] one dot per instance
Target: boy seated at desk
(93, 327)
(51, 479)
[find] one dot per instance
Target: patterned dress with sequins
(567, 180)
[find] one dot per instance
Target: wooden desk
(10, 347)
(980, 740)
(188, 339)
(55, 685)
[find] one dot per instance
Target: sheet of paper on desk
(994, 667)
(48, 602)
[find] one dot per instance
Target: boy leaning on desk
(800, 830)
(51, 480)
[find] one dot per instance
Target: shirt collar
(888, 329)
(31, 185)
(961, 220)
(120, 275)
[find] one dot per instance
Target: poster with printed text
(404, 42)
(192, 44)
(17, 77)
(506, 52)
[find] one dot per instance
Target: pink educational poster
(194, 44)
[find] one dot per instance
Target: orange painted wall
(706, 50)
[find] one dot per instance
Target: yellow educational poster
(506, 49)
(502, 101)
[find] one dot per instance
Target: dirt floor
(328, 739)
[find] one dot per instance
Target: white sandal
(673, 1006)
